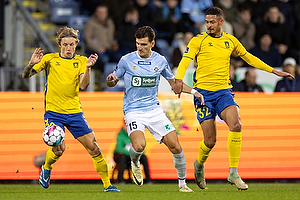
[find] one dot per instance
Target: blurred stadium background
(271, 122)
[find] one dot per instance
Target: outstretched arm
(257, 63)
(282, 74)
(35, 58)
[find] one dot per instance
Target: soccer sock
(234, 144)
(135, 156)
(51, 158)
(100, 165)
(232, 170)
(203, 153)
(180, 166)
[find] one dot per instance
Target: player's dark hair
(66, 32)
(145, 31)
(215, 11)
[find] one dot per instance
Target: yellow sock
(234, 144)
(203, 153)
(51, 158)
(100, 165)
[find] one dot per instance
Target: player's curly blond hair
(66, 32)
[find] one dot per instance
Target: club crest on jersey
(75, 65)
(226, 45)
(144, 63)
(187, 50)
(155, 68)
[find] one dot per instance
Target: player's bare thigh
(231, 115)
(138, 140)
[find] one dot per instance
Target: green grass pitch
(163, 191)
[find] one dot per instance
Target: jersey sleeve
(249, 58)
(239, 49)
(166, 72)
(120, 68)
(189, 54)
(256, 62)
(42, 64)
(83, 64)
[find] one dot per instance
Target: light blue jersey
(141, 77)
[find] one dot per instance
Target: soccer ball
(53, 135)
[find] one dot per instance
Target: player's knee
(210, 143)
(59, 150)
(236, 127)
(95, 151)
(175, 148)
(139, 148)
(139, 145)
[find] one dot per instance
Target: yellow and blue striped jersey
(211, 56)
(62, 82)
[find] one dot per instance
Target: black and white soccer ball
(53, 135)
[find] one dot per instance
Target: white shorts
(154, 120)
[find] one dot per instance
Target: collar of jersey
(67, 58)
(215, 37)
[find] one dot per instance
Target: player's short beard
(212, 34)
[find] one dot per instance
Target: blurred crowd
(269, 29)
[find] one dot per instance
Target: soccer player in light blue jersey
(141, 70)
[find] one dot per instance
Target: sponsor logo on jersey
(57, 64)
(75, 65)
(134, 67)
(210, 44)
(144, 63)
(142, 81)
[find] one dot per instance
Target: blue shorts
(75, 123)
(215, 103)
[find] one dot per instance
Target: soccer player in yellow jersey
(211, 53)
(66, 72)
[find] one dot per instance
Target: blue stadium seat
(77, 22)
(62, 10)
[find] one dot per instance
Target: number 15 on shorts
(132, 125)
